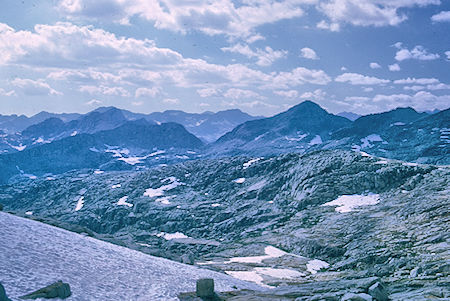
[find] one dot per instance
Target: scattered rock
(56, 290)
(3, 296)
(356, 297)
(415, 272)
(187, 258)
(378, 292)
(205, 288)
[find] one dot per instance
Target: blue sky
(262, 57)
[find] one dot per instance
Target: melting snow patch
(165, 199)
(271, 252)
(247, 276)
(279, 273)
(74, 133)
(381, 162)
(50, 178)
(398, 124)
(249, 163)
(170, 236)
(215, 205)
(239, 180)
(123, 201)
(94, 149)
(154, 192)
(80, 203)
(365, 154)
(316, 140)
(156, 153)
(116, 186)
(371, 138)
(98, 172)
(347, 203)
(29, 213)
(313, 266)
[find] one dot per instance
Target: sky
(260, 56)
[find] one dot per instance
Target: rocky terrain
(318, 226)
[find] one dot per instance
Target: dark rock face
(56, 290)
(1, 207)
(3, 296)
(205, 288)
(378, 292)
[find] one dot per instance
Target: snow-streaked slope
(33, 255)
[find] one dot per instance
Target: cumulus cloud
(208, 92)
(328, 26)
(394, 67)
(298, 76)
(104, 90)
(417, 53)
(287, 94)
(359, 79)
(443, 16)
(316, 95)
(308, 53)
(265, 57)
(357, 98)
(34, 87)
(241, 93)
(147, 92)
(368, 12)
(374, 65)
(209, 17)
(421, 101)
(417, 81)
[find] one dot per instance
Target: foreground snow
(33, 255)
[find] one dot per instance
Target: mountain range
(113, 139)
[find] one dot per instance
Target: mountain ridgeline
(114, 139)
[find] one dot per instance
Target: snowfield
(33, 255)
(348, 203)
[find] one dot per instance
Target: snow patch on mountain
(80, 204)
(315, 265)
(249, 163)
(239, 180)
(155, 192)
(316, 140)
(123, 202)
(348, 203)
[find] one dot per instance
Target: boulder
(3, 296)
(356, 297)
(378, 292)
(187, 258)
(56, 290)
(205, 288)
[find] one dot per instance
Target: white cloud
(147, 92)
(443, 16)
(439, 86)
(417, 81)
(368, 89)
(359, 79)
(421, 101)
(241, 93)
(209, 17)
(368, 12)
(413, 88)
(316, 95)
(104, 90)
(328, 26)
(265, 57)
(417, 53)
(137, 103)
(34, 87)
(171, 100)
(298, 76)
(356, 98)
(374, 65)
(3, 92)
(287, 94)
(394, 67)
(343, 68)
(93, 102)
(308, 53)
(66, 45)
(447, 53)
(208, 92)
